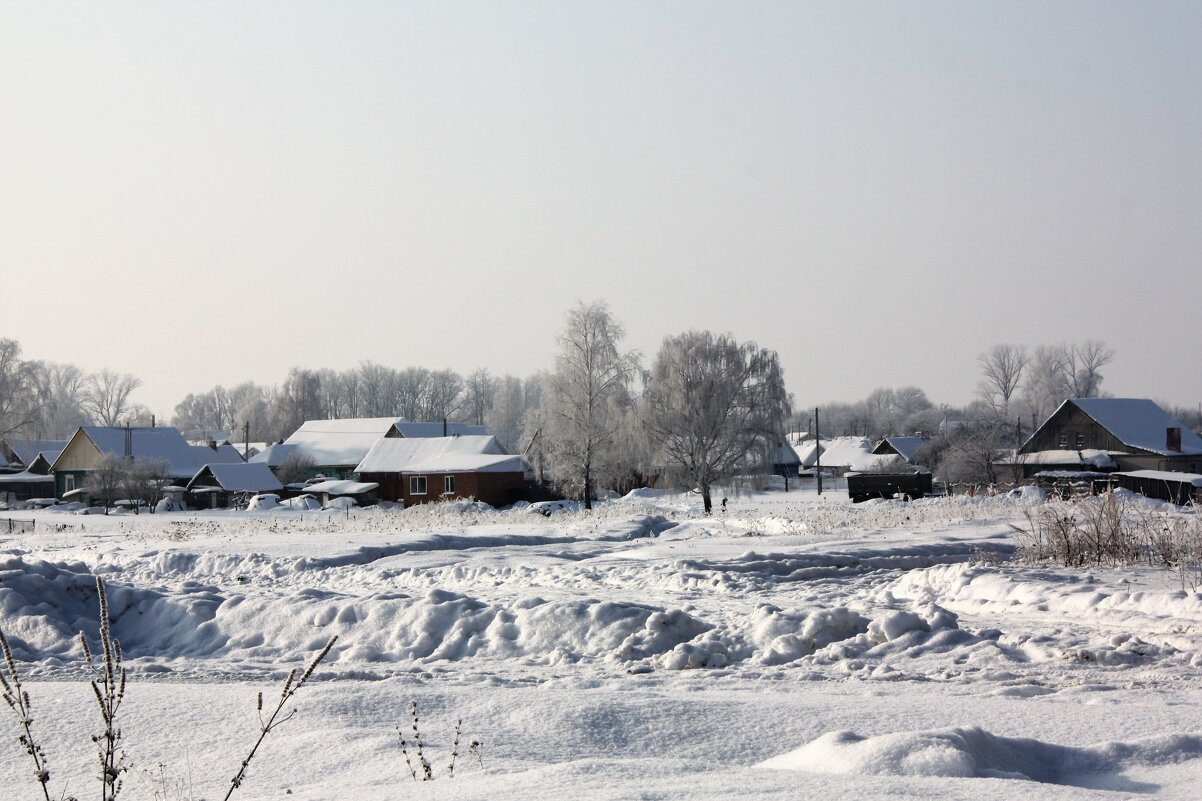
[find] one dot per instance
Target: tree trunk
(706, 500)
(588, 487)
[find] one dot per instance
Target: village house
(215, 485)
(162, 446)
(333, 448)
(1105, 435)
(412, 471)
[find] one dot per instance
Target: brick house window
(417, 485)
(448, 485)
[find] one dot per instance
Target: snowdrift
(975, 753)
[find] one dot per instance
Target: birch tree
(714, 406)
(589, 385)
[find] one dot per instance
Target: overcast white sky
(204, 193)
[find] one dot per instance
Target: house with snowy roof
(333, 448)
(904, 447)
(1106, 435)
(420, 470)
(214, 485)
(840, 455)
(166, 447)
(19, 454)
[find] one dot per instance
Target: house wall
(1062, 429)
(495, 489)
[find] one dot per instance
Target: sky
(209, 193)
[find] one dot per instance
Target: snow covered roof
(1085, 458)
(906, 447)
(24, 477)
(399, 455)
(1138, 423)
(1165, 475)
(854, 453)
(336, 487)
(239, 477)
(472, 463)
(274, 455)
(407, 428)
(336, 442)
(157, 442)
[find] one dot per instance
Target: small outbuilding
(215, 486)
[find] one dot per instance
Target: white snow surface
(796, 647)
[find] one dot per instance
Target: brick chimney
(1172, 439)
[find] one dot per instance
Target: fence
(13, 526)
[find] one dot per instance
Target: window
(1063, 441)
(68, 482)
(448, 485)
(417, 485)
(1080, 441)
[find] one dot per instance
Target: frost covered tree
(1002, 369)
(714, 405)
(586, 393)
(18, 398)
(505, 416)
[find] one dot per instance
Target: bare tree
(1002, 368)
(444, 391)
(108, 397)
(479, 390)
(1084, 363)
(589, 384)
(295, 468)
(714, 405)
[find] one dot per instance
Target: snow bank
(975, 753)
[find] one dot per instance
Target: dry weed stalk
(418, 749)
(18, 701)
(109, 690)
(291, 685)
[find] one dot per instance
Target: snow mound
(976, 753)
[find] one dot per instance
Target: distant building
(19, 454)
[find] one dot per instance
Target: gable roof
(854, 453)
(239, 477)
(400, 455)
(26, 450)
(1137, 423)
(332, 443)
(160, 443)
(905, 447)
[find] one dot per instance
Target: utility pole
(246, 441)
(817, 451)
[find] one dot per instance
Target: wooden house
(1106, 434)
(75, 468)
(215, 485)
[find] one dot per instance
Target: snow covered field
(796, 647)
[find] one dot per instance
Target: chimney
(1172, 439)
